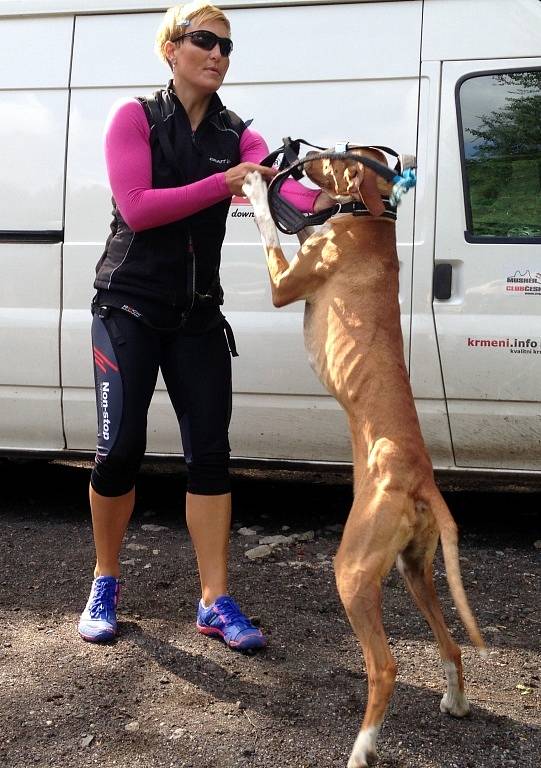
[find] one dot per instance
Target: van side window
(499, 120)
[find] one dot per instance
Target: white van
(457, 82)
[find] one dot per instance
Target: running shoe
(225, 620)
(98, 620)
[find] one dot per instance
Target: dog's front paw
(255, 190)
(254, 187)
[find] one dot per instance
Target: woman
(173, 163)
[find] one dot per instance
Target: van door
(487, 288)
(35, 56)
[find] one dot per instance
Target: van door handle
(443, 281)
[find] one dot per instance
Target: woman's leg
(209, 522)
(126, 357)
(110, 518)
(197, 372)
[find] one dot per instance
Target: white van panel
(37, 7)
(480, 357)
(321, 432)
(29, 343)
(33, 282)
(33, 141)
(425, 371)
(270, 341)
(324, 43)
(29, 313)
(114, 36)
(484, 29)
(435, 428)
(29, 323)
(88, 195)
(489, 436)
(260, 57)
(77, 370)
(35, 53)
(30, 418)
(381, 111)
(35, 56)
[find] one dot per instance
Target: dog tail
(449, 545)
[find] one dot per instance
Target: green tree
(516, 128)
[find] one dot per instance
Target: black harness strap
(106, 311)
(230, 339)
(290, 151)
(163, 136)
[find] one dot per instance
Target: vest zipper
(190, 278)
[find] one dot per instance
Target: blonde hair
(174, 22)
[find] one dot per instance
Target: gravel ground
(163, 696)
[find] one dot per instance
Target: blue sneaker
(98, 620)
(224, 619)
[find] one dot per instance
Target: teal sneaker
(98, 620)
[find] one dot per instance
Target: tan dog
(347, 273)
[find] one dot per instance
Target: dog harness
(291, 220)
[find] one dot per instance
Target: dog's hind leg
(373, 535)
(415, 565)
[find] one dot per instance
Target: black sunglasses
(206, 40)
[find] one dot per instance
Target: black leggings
(197, 374)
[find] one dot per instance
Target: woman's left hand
(235, 176)
(323, 201)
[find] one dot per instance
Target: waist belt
(104, 311)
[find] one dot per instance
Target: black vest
(176, 265)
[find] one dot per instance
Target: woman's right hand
(235, 176)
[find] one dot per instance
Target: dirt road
(163, 696)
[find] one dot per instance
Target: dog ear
(368, 190)
(371, 185)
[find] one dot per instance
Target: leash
(290, 220)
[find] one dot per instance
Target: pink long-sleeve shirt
(129, 166)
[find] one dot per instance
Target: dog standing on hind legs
(347, 273)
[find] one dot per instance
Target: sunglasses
(206, 40)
